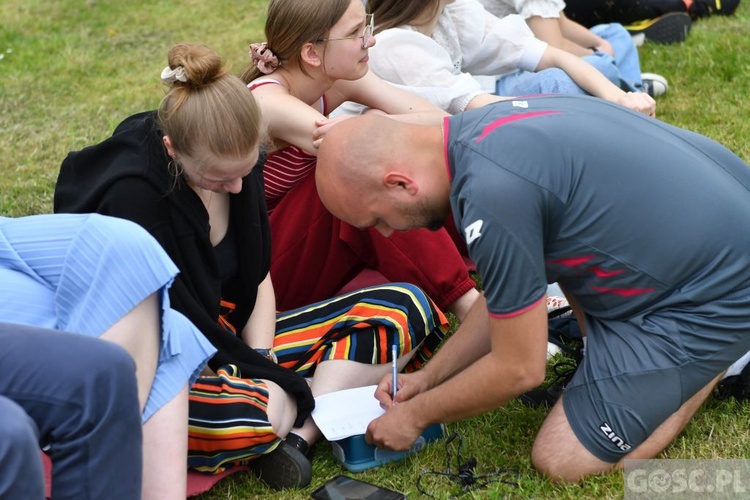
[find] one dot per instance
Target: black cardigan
(127, 176)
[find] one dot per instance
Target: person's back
(620, 231)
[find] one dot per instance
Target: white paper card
(342, 414)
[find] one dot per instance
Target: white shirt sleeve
(493, 46)
(500, 8)
(417, 63)
(525, 8)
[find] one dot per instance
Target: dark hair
(212, 112)
(292, 23)
(393, 13)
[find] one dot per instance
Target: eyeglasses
(365, 36)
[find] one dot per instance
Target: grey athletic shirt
(628, 213)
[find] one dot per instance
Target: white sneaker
(555, 303)
(654, 85)
(638, 39)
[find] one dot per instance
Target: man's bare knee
(563, 468)
(558, 454)
(546, 464)
(553, 464)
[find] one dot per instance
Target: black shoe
(298, 442)
(668, 28)
(285, 467)
(735, 386)
(732, 387)
(548, 396)
(705, 8)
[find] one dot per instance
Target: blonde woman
(190, 173)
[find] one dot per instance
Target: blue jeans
(547, 81)
(77, 395)
(624, 70)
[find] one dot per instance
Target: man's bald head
(354, 147)
(377, 171)
(352, 157)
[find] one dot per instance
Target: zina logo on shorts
(617, 440)
(473, 231)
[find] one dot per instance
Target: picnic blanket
(197, 482)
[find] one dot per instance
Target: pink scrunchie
(263, 58)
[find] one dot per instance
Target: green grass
(71, 70)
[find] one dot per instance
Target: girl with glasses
(365, 36)
(315, 57)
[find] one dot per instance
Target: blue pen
(394, 354)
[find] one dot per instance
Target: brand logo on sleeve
(473, 231)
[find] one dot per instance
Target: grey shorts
(638, 372)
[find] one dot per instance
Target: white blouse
(525, 8)
(467, 41)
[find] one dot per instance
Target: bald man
(643, 225)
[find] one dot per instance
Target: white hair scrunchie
(169, 75)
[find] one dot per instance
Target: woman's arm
(382, 97)
(550, 30)
(478, 100)
(260, 328)
(289, 120)
(484, 99)
(593, 82)
(373, 92)
(582, 36)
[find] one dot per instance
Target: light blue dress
(82, 273)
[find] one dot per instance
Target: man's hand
(395, 430)
(409, 385)
(515, 363)
(639, 101)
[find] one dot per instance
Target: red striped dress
(288, 166)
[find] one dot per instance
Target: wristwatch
(268, 354)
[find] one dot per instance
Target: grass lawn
(71, 70)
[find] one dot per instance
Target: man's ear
(400, 181)
(309, 54)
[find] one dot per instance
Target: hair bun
(193, 64)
